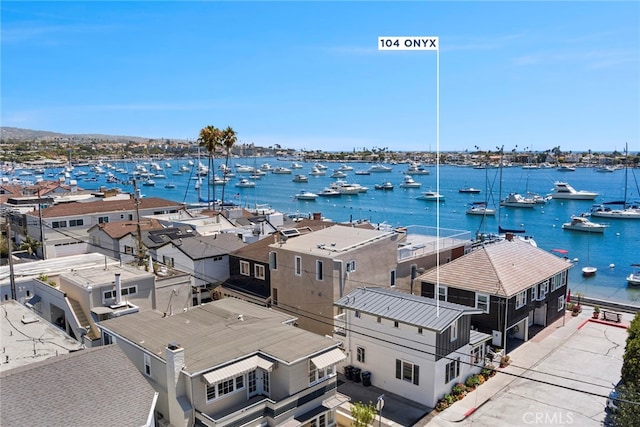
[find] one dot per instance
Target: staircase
(83, 322)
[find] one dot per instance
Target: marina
(611, 252)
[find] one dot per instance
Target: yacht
(300, 178)
(480, 208)
(296, 165)
(417, 170)
(245, 183)
(338, 174)
(565, 168)
(345, 188)
(345, 167)
(431, 196)
(408, 182)
(281, 170)
(515, 200)
(328, 192)
(380, 168)
(317, 172)
(384, 186)
(563, 190)
(306, 195)
(581, 223)
(633, 279)
(470, 190)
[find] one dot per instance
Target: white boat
(281, 170)
(606, 169)
(633, 279)
(515, 200)
(149, 183)
(565, 168)
(345, 167)
(328, 192)
(431, 196)
(408, 182)
(295, 165)
(619, 209)
(317, 172)
(320, 166)
(582, 223)
(169, 185)
(266, 167)
(362, 172)
(377, 168)
(338, 174)
(563, 190)
(480, 208)
(384, 186)
(417, 170)
(244, 169)
(300, 178)
(306, 195)
(589, 271)
(216, 180)
(345, 188)
(470, 190)
(245, 183)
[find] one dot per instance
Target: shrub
(449, 398)
(442, 405)
(473, 381)
(458, 389)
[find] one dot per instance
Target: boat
(170, 185)
(345, 188)
(386, 186)
(362, 172)
(345, 168)
(480, 208)
(328, 192)
(562, 190)
(431, 196)
(589, 271)
(266, 167)
(149, 183)
(606, 169)
(241, 169)
(408, 182)
(468, 189)
(565, 168)
(245, 183)
(377, 168)
(417, 170)
(582, 223)
(281, 170)
(306, 195)
(320, 166)
(296, 165)
(338, 174)
(216, 180)
(317, 172)
(621, 209)
(633, 279)
(300, 178)
(515, 200)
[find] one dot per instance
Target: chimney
(174, 355)
(509, 236)
(317, 216)
(118, 290)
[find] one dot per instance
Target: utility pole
(12, 277)
(42, 242)
(136, 199)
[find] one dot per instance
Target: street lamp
(379, 406)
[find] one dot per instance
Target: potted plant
(504, 361)
(596, 312)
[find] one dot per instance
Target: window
(534, 293)
(76, 222)
(168, 261)
(442, 293)
(556, 282)
(103, 219)
(396, 324)
(407, 371)
(225, 387)
(147, 365)
(482, 302)
(319, 272)
(125, 291)
(128, 250)
(273, 260)
(379, 319)
(544, 288)
(244, 268)
(453, 331)
(452, 370)
(298, 266)
(59, 224)
(317, 375)
(420, 330)
(217, 258)
(28, 293)
(258, 271)
(561, 303)
(392, 279)
(357, 314)
(274, 296)
(521, 299)
(360, 354)
(476, 355)
(351, 266)
(266, 385)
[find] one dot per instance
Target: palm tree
(209, 138)
(30, 246)
(228, 139)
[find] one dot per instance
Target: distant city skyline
(309, 75)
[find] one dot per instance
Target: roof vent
(173, 345)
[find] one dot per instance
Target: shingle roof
(201, 247)
(504, 268)
(119, 229)
(212, 334)
(405, 308)
(99, 386)
(103, 206)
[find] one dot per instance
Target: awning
(101, 310)
(329, 358)
(238, 368)
(33, 301)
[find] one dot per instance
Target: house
(119, 239)
(95, 387)
(310, 272)
(231, 363)
(520, 288)
(412, 346)
(65, 226)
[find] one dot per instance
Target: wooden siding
(444, 345)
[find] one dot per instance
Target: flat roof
(55, 266)
(85, 278)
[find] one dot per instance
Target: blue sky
(308, 74)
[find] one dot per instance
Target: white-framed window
(534, 293)
(351, 266)
(76, 222)
(168, 261)
(442, 292)
(561, 303)
(103, 219)
(452, 371)
(266, 383)
(482, 302)
(453, 331)
(556, 282)
(147, 365)
(298, 265)
(259, 271)
(273, 260)
(319, 269)
(361, 354)
(407, 371)
(245, 268)
(224, 387)
(521, 299)
(325, 419)
(564, 277)
(476, 355)
(316, 375)
(392, 279)
(544, 289)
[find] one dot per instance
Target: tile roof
(119, 229)
(98, 386)
(405, 308)
(503, 268)
(213, 334)
(103, 206)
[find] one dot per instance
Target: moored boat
(468, 189)
(431, 196)
(582, 223)
(306, 195)
(515, 200)
(562, 190)
(480, 208)
(384, 186)
(633, 279)
(408, 182)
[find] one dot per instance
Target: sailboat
(500, 229)
(588, 270)
(625, 210)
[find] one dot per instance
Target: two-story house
(519, 288)
(412, 346)
(120, 239)
(231, 363)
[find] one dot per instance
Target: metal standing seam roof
(503, 269)
(405, 308)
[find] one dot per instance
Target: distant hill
(19, 134)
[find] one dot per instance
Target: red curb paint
(584, 323)
(604, 322)
(469, 412)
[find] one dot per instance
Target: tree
(363, 414)
(228, 139)
(629, 391)
(30, 246)
(209, 138)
